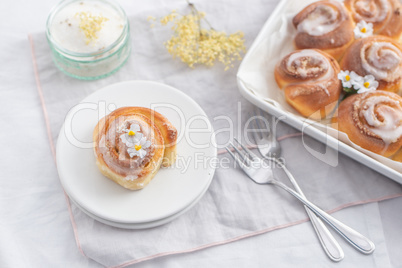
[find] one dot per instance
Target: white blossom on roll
(363, 29)
(131, 136)
(349, 78)
(138, 149)
(368, 83)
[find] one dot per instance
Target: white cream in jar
(72, 22)
(90, 39)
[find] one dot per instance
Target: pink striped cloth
(233, 208)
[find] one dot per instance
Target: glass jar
(89, 39)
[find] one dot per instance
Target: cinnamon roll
(398, 156)
(385, 15)
(379, 56)
(132, 143)
(372, 120)
(325, 25)
(310, 83)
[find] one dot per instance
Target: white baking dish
(256, 84)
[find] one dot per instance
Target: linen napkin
(233, 208)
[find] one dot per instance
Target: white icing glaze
(377, 10)
(325, 88)
(298, 60)
(390, 128)
(382, 59)
(312, 66)
(322, 20)
(131, 177)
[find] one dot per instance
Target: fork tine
(266, 128)
(248, 151)
(251, 119)
(266, 125)
(262, 113)
(257, 114)
(256, 134)
(268, 117)
(244, 156)
(235, 157)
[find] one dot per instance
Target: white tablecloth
(35, 228)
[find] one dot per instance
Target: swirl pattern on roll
(379, 56)
(385, 15)
(132, 143)
(309, 80)
(373, 120)
(325, 25)
(115, 152)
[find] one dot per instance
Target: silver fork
(261, 173)
(270, 149)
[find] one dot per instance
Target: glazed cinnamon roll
(385, 15)
(372, 120)
(398, 156)
(132, 143)
(310, 83)
(379, 56)
(325, 25)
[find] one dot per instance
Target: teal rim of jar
(123, 41)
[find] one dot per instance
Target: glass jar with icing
(89, 39)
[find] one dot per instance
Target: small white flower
(131, 136)
(138, 149)
(363, 29)
(348, 78)
(368, 83)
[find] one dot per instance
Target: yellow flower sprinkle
(363, 30)
(347, 77)
(138, 147)
(131, 133)
(90, 25)
(366, 84)
(195, 45)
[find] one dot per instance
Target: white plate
(171, 190)
(257, 88)
(144, 225)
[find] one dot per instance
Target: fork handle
(360, 242)
(327, 240)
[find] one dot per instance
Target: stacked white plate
(173, 190)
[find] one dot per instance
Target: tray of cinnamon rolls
(333, 70)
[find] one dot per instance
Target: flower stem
(195, 12)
